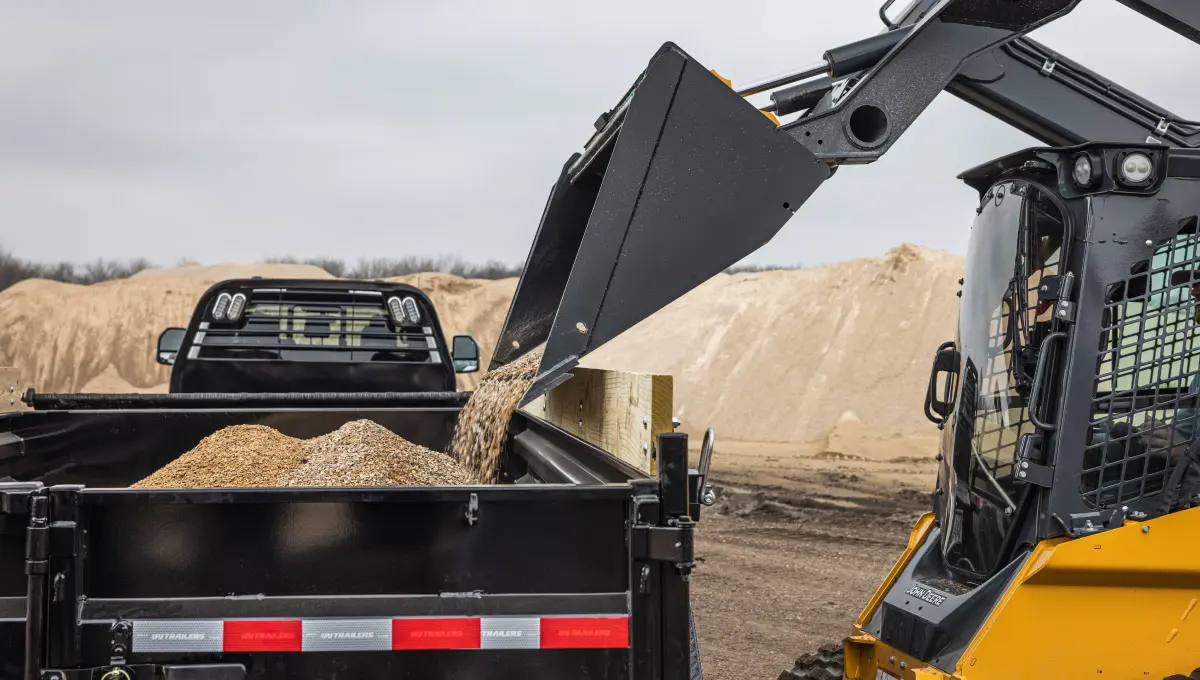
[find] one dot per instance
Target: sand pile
(772, 356)
(65, 336)
(781, 356)
(483, 425)
(360, 453)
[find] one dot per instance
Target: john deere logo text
(926, 595)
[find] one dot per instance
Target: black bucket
(685, 179)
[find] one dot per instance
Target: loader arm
(1061, 102)
(683, 177)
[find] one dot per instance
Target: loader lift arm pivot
(680, 181)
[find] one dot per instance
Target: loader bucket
(682, 180)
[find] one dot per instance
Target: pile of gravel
(364, 453)
(237, 456)
(359, 453)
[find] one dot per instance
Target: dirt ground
(796, 545)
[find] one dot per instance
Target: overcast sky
(239, 130)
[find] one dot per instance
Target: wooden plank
(617, 411)
(11, 389)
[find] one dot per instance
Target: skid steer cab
(1063, 542)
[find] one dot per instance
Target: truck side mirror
(465, 353)
(169, 343)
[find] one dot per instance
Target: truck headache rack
(245, 332)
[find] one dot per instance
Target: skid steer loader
(1061, 542)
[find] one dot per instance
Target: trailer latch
(665, 544)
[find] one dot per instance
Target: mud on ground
(796, 545)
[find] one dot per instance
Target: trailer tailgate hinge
(672, 544)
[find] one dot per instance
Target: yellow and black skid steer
(1062, 540)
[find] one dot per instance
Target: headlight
(1083, 170)
(1136, 168)
(221, 306)
(1086, 170)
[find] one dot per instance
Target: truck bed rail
(224, 400)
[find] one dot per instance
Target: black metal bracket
(674, 544)
(1029, 467)
(1035, 474)
(1085, 523)
(472, 511)
(1050, 288)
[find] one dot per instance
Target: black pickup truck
(307, 335)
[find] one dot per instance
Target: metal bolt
(674, 422)
(891, 659)
(1149, 242)
(581, 423)
(903, 665)
(1007, 511)
(1025, 464)
(581, 327)
(516, 345)
(1062, 312)
(645, 447)
(1045, 287)
(1145, 530)
(645, 421)
(1021, 474)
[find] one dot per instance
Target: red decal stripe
(263, 636)
(435, 633)
(591, 633)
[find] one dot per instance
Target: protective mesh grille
(1143, 410)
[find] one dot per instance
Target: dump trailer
(1060, 538)
(573, 565)
(305, 335)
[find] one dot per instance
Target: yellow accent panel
(915, 538)
(865, 654)
(729, 83)
(1114, 605)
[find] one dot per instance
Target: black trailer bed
(575, 568)
(276, 580)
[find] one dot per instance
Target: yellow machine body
(1118, 605)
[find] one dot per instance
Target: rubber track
(827, 663)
